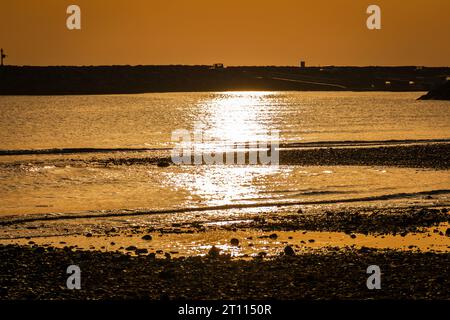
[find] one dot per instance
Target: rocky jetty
(64, 80)
(440, 93)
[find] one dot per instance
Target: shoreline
(309, 228)
(432, 155)
(36, 268)
(139, 255)
(330, 252)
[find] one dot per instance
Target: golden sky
(234, 32)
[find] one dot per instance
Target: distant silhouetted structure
(302, 64)
(218, 66)
(3, 56)
(29, 80)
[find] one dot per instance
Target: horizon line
(229, 66)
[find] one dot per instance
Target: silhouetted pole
(3, 56)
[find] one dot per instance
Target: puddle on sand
(251, 242)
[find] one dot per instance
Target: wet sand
(396, 228)
(249, 259)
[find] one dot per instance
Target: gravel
(37, 273)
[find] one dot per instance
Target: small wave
(75, 151)
(320, 193)
(282, 145)
(359, 143)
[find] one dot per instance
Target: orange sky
(235, 32)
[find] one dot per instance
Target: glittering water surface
(38, 185)
(148, 120)
(52, 189)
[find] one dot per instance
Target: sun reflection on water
(230, 119)
(237, 118)
(219, 185)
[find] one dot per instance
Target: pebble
(166, 274)
(234, 242)
(120, 276)
(262, 254)
(147, 237)
(163, 164)
(289, 251)
(214, 252)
